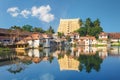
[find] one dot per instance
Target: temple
(68, 25)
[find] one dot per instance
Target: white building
(37, 40)
(103, 38)
(87, 41)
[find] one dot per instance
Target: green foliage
(30, 28)
(4, 49)
(90, 62)
(36, 29)
(60, 34)
(27, 28)
(50, 30)
(90, 28)
(82, 31)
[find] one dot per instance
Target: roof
(47, 35)
(34, 36)
(114, 35)
(21, 42)
(73, 34)
(103, 34)
(7, 31)
(88, 37)
(75, 19)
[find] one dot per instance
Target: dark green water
(81, 63)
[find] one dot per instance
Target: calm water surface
(81, 63)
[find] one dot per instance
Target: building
(68, 25)
(87, 41)
(103, 38)
(114, 37)
(10, 36)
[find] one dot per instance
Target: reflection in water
(16, 68)
(90, 62)
(69, 58)
(68, 63)
(47, 77)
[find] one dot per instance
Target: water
(81, 63)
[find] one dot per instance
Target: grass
(4, 49)
(99, 45)
(115, 44)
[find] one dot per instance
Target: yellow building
(68, 63)
(68, 25)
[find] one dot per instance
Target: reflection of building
(68, 25)
(68, 63)
(103, 53)
(115, 51)
(87, 50)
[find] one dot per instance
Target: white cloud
(25, 13)
(14, 11)
(43, 13)
(47, 17)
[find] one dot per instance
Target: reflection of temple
(68, 63)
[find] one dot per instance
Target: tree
(80, 22)
(50, 30)
(96, 23)
(88, 23)
(82, 31)
(27, 28)
(90, 28)
(36, 29)
(60, 34)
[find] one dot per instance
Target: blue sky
(43, 13)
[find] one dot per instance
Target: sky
(45, 13)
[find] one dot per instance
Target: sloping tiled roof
(7, 31)
(114, 35)
(88, 37)
(103, 34)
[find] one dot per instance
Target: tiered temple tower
(68, 25)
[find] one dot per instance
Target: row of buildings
(26, 39)
(68, 26)
(36, 40)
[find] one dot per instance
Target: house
(21, 45)
(103, 38)
(8, 37)
(34, 40)
(87, 41)
(73, 36)
(48, 40)
(114, 37)
(37, 40)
